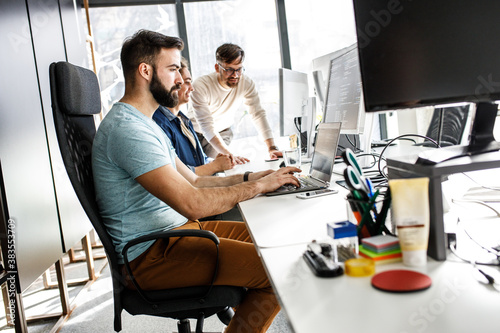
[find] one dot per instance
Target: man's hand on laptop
(276, 179)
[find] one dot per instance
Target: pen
(380, 221)
(353, 203)
(369, 184)
(366, 207)
(354, 208)
(360, 200)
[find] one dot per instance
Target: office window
(316, 28)
(253, 26)
(110, 27)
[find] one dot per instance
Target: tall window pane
(110, 27)
(253, 26)
(318, 27)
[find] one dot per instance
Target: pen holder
(369, 214)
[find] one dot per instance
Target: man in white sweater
(216, 98)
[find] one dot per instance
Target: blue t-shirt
(187, 153)
(129, 144)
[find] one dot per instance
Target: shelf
(405, 167)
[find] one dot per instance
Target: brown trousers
(189, 261)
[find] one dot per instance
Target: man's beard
(232, 84)
(161, 94)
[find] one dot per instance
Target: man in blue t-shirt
(143, 187)
(180, 131)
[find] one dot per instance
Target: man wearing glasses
(216, 98)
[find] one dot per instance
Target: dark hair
(144, 46)
(227, 53)
(184, 63)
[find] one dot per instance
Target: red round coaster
(401, 281)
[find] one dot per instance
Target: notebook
(323, 159)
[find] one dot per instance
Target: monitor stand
(482, 139)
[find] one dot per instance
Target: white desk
(456, 301)
(287, 220)
(281, 227)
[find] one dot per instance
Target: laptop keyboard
(305, 184)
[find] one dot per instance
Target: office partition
(41, 208)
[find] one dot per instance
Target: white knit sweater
(212, 106)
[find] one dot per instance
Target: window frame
(181, 21)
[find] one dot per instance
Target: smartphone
(317, 193)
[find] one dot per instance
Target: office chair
(75, 100)
(447, 126)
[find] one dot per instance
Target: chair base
(184, 326)
(226, 315)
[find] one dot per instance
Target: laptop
(323, 159)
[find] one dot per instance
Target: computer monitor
(343, 102)
(320, 70)
(419, 53)
(297, 109)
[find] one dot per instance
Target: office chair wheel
(199, 323)
(226, 315)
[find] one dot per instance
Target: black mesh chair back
(447, 125)
(76, 99)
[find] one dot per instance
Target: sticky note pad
(381, 243)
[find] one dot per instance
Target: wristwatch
(245, 176)
(273, 148)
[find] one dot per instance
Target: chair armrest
(166, 235)
(171, 233)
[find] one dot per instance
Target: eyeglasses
(231, 71)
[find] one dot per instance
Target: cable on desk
(495, 251)
(453, 248)
(354, 144)
(302, 136)
(412, 140)
(374, 175)
(402, 137)
(478, 202)
(481, 185)
(373, 155)
(490, 279)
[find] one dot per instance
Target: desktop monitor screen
(297, 109)
(343, 102)
(294, 93)
(428, 52)
(320, 70)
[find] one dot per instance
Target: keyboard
(306, 184)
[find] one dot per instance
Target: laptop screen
(325, 150)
